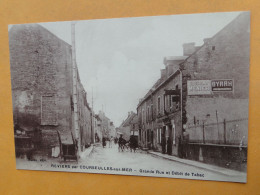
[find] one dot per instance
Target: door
(169, 141)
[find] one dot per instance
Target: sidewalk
(200, 165)
(87, 152)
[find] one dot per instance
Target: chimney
(206, 40)
(188, 48)
(163, 73)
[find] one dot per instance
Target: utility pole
(75, 92)
(92, 118)
(217, 126)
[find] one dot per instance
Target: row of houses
(104, 127)
(129, 126)
(203, 93)
(50, 104)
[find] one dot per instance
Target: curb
(202, 166)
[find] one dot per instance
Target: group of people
(110, 141)
(123, 144)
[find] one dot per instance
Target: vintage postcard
(160, 96)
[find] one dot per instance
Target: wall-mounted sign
(222, 85)
(207, 87)
(199, 87)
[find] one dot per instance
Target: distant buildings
(106, 125)
(204, 92)
(98, 129)
(129, 126)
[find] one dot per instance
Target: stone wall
(224, 56)
(41, 67)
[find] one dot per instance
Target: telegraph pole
(93, 117)
(75, 92)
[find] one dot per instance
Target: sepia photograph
(158, 96)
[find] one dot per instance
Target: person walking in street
(116, 140)
(120, 143)
(104, 142)
(185, 144)
(180, 147)
(163, 144)
(110, 142)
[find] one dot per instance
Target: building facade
(217, 122)
(159, 111)
(107, 126)
(126, 126)
(42, 89)
(205, 93)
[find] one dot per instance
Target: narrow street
(110, 161)
(140, 160)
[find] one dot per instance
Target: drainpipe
(181, 99)
(75, 92)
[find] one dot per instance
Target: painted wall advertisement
(206, 87)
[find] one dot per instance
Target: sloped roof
(128, 120)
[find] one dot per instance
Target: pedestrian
(120, 143)
(180, 147)
(110, 142)
(116, 140)
(163, 144)
(169, 146)
(185, 142)
(104, 142)
(131, 143)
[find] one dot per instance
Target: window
(143, 116)
(165, 103)
(159, 105)
(151, 112)
(147, 114)
(174, 133)
(158, 135)
(170, 102)
(48, 110)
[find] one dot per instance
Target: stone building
(217, 119)
(42, 89)
(107, 126)
(85, 118)
(204, 92)
(134, 130)
(159, 111)
(126, 126)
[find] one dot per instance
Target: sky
(120, 59)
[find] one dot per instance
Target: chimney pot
(188, 48)
(163, 73)
(206, 40)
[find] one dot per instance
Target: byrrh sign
(206, 87)
(222, 85)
